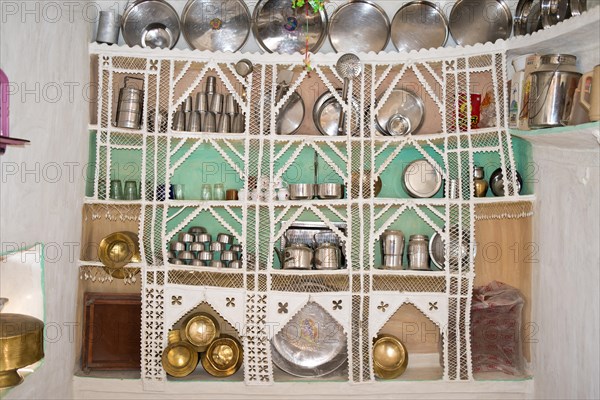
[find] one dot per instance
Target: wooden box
(111, 335)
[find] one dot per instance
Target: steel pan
(419, 25)
(150, 23)
(359, 26)
(279, 28)
(216, 25)
(480, 21)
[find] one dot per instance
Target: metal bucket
(552, 87)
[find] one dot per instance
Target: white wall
(566, 294)
(43, 50)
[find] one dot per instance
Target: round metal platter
(326, 113)
(216, 25)
(577, 7)
(421, 179)
(150, 23)
(521, 13)
(404, 103)
(437, 248)
(480, 21)
(279, 28)
(311, 344)
(534, 19)
(359, 26)
(290, 115)
(419, 25)
(554, 11)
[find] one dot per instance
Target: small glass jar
(206, 192)
(218, 191)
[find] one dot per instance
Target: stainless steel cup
(224, 123)
(230, 106)
(216, 103)
(235, 264)
(228, 255)
(197, 229)
(392, 243)
(418, 252)
(217, 246)
(209, 123)
(185, 237)
(193, 124)
(203, 237)
(201, 102)
(109, 26)
(179, 120)
(197, 246)
(185, 256)
(238, 123)
(188, 105)
(178, 246)
(225, 238)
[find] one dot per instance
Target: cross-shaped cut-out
(230, 301)
(383, 306)
(176, 300)
(433, 305)
(282, 308)
(337, 305)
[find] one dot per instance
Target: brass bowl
(21, 344)
(390, 357)
(116, 251)
(179, 359)
(200, 329)
(223, 357)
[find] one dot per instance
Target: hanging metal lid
(279, 28)
(216, 25)
(150, 23)
(419, 25)
(480, 21)
(359, 26)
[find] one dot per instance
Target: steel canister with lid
(129, 105)
(553, 85)
(418, 252)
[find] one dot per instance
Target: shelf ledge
(578, 137)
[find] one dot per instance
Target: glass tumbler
(206, 192)
(131, 192)
(178, 190)
(218, 191)
(116, 189)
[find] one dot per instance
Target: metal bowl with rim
(326, 113)
(179, 359)
(116, 251)
(223, 357)
(216, 25)
(390, 357)
(359, 26)
(400, 103)
(421, 179)
(311, 344)
(419, 25)
(480, 21)
(200, 329)
(279, 28)
(150, 23)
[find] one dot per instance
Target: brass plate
(119, 249)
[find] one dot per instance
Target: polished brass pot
(21, 344)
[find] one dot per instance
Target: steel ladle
(348, 67)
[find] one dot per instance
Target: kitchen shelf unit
(545, 41)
